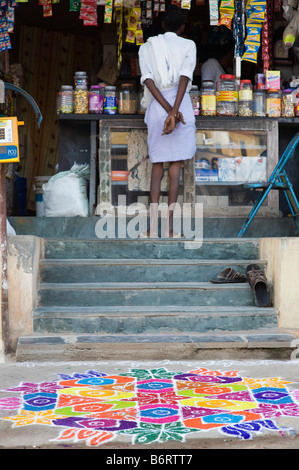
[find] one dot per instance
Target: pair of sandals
(256, 278)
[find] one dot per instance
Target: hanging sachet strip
(256, 14)
(89, 12)
(227, 10)
(214, 12)
(108, 11)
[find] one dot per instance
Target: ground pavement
(166, 407)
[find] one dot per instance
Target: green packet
(75, 5)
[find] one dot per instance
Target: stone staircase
(149, 299)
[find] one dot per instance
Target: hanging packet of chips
(186, 4)
(75, 5)
(226, 10)
(47, 7)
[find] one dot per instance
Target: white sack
(65, 194)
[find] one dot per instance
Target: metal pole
(3, 241)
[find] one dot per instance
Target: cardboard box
(273, 79)
(251, 169)
(227, 169)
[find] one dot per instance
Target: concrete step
(144, 293)
(151, 249)
(190, 346)
(135, 270)
(151, 320)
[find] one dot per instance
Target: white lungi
(180, 144)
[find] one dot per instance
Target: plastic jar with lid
(259, 103)
(96, 99)
(110, 100)
(66, 101)
(80, 79)
(208, 98)
(287, 105)
(227, 96)
(245, 98)
(273, 103)
(194, 96)
(127, 103)
(81, 99)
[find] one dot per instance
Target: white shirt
(211, 70)
(164, 58)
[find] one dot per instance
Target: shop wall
(23, 269)
(282, 256)
(49, 60)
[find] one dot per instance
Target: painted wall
(23, 255)
(282, 255)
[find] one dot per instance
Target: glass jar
(208, 98)
(227, 96)
(259, 103)
(58, 101)
(81, 99)
(66, 100)
(80, 79)
(273, 104)
(287, 106)
(140, 108)
(194, 96)
(110, 100)
(127, 103)
(245, 98)
(96, 99)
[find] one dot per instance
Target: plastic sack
(9, 228)
(65, 194)
(291, 31)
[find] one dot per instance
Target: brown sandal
(228, 276)
(258, 282)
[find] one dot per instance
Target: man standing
(167, 63)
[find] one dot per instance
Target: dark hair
(174, 18)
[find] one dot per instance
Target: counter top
(100, 117)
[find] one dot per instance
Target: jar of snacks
(273, 104)
(66, 99)
(194, 96)
(227, 96)
(245, 98)
(127, 103)
(259, 103)
(81, 99)
(208, 98)
(96, 99)
(287, 106)
(110, 100)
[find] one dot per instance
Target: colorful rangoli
(153, 405)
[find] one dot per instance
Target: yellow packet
(130, 36)
(139, 37)
(250, 57)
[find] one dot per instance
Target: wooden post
(3, 265)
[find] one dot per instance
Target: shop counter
(231, 151)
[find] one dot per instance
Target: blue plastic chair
(278, 180)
